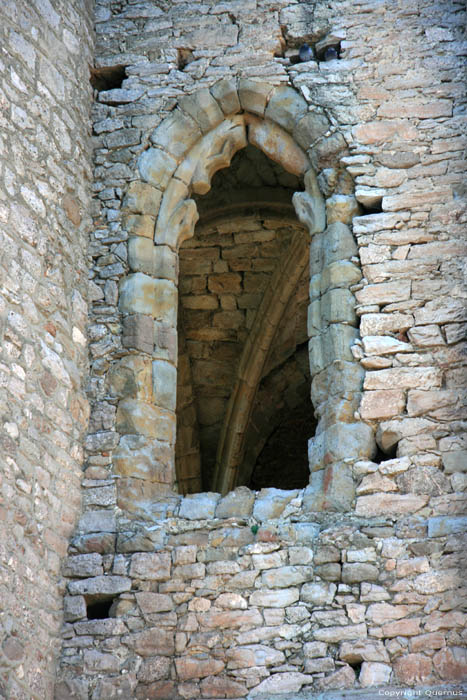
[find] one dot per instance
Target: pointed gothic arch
(198, 138)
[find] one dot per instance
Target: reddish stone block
(451, 664)
(413, 669)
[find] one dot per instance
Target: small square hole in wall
(99, 609)
(107, 78)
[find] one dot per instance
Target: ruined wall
(45, 177)
(354, 581)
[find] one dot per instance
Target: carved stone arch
(198, 138)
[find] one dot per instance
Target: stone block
(286, 107)
(199, 506)
(318, 594)
(365, 650)
(151, 566)
(340, 633)
(309, 128)
(382, 404)
(154, 602)
(146, 499)
(385, 292)
(83, 565)
(389, 504)
(156, 167)
(164, 383)
(285, 576)
(338, 243)
(327, 151)
(451, 663)
(275, 599)
(381, 324)
(141, 198)
(154, 669)
(138, 294)
(253, 95)
(278, 145)
(443, 525)
(340, 442)
(358, 572)
(238, 503)
(151, 642)
(287, 682)
(97, 662)
(176, 134)
(342, 208)
(329, 572)
(270, 503)
(225, 93)
(222, 687)
(403, 378)
(455, 461)
(139, 225)
(384, 345)
(138, 332)
(253, 655)
(97, 521)
(165, 263)
(203, 108)
(74, 608)
(337, 274)
(100, 586)
(141, 254)
(144, 458)
(137, 417)
(412, 669)
(337, 379)
(374, 674)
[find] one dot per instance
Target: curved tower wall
(45, 179)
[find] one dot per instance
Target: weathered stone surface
(138, 332)
(343, 678)
(154, 669)
(374, 674)
(176, 134)
(141, 198)
(144, 458)
(270, 503)
(253, 655)
(156, 167)
(278, 145)
(366, 650)
(237, 503)
(148, 566)
(199, 506)
(253, 95)
(288, 682)
(340, 633)
(357, 572)
(141, 418)
(100, 586)
(446, 525)
(341, 207)
(225, 92)
(286, 576)
(309, 128)
(74, 608)
(275, 599)
(387, 504)
(451, 664)
(381, 404)
(286, 107)
(203, 108)
(412, 669)
(437, 581)
(153, 641)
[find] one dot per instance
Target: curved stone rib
(252, 362)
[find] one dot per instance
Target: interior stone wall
(45, 179)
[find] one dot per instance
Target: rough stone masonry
(263, 230)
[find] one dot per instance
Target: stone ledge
(443, 692)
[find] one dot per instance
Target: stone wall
(45, 177)
(353, 581)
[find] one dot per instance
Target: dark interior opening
(107, 78)
(283, 461)
(381, 456)
(244, 236)
(376, 208)
(184, 57)
(99, 610)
